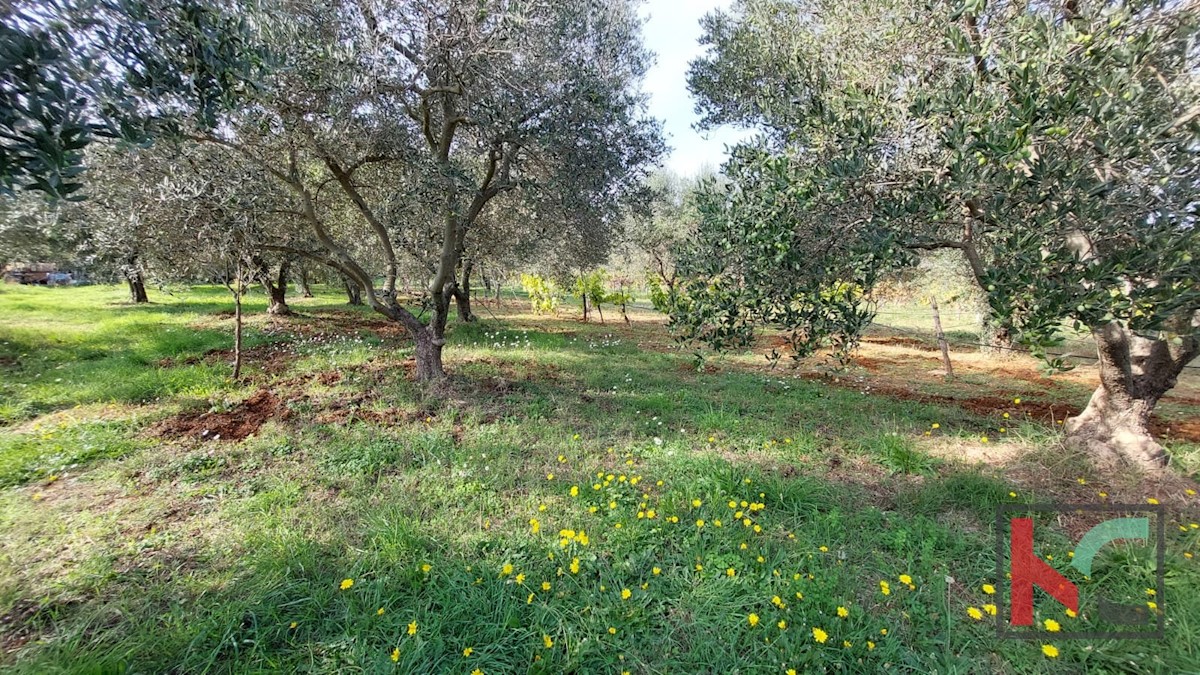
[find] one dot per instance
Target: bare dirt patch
(242, 421)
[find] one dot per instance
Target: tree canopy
(1054, 146)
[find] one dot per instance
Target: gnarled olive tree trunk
(136, 280)
(462, 294)
(1135, 372)
(276, 288)
(353, 292)
(302, 279)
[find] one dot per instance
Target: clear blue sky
(672, 33)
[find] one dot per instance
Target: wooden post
(238, 289)
(941, 337)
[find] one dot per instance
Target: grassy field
(580, 498)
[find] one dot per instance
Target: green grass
(126, 552)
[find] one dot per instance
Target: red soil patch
(242, 421)
(1042, 411)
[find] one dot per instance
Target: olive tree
(421, 115)
(1053, 145)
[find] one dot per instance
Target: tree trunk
(302, 278)
(137, 288)
(429, 355)
(585, 308)
(1135, 372)
(429, 340)
(462, 295)
(276, 288)
(136, 281)
(353, 292)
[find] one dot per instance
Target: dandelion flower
(820, 635)
(989, 589)
(656, 571)
(843, 612)
(990, 609)
(1050, 651)
(1151, 500)
(468, 651)
(885, 588)
(545, 585)
(905, 579)
(379, 612)
(612, 630)
(1052, 625)
(782, 624)
(752, 620)
(730, 572)
(696, 503)
(626, 593)
(412, 628)
(546, 640)
(395, 655)
(974, 613)
(506, 570)
(347, 583)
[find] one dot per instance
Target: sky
(672, 32)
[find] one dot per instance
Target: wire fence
(931, 339)
(1004, 348)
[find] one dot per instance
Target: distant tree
(653, 235)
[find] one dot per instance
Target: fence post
(941, 337)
